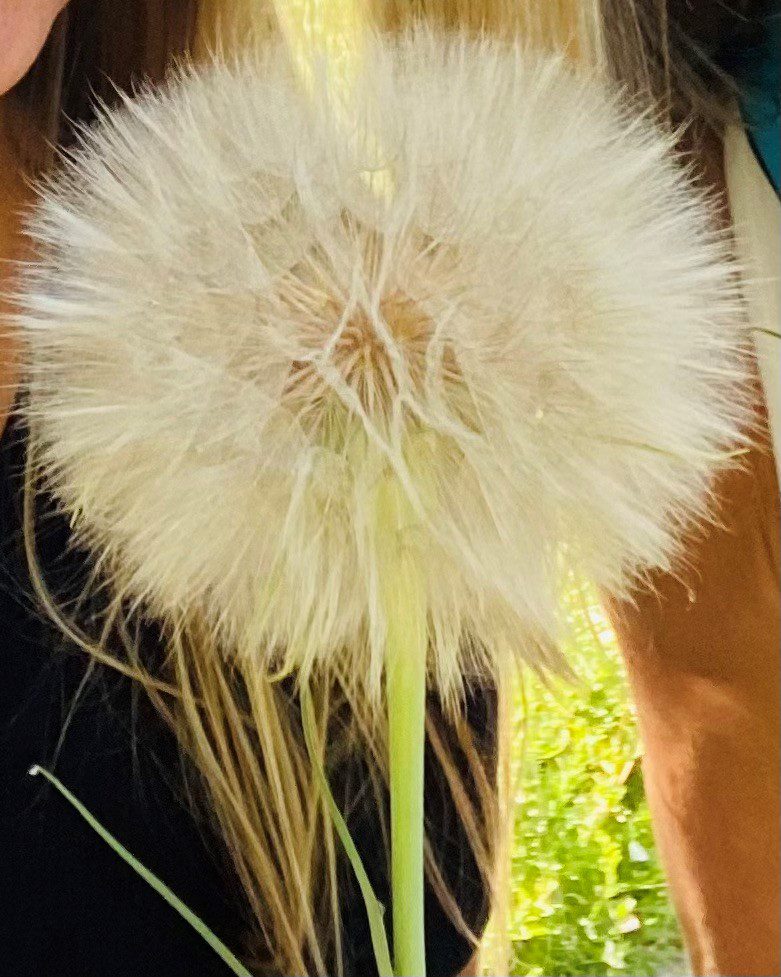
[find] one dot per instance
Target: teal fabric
(761, 102)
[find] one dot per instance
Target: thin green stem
(405, 613)
(374, 908)
(160, 887)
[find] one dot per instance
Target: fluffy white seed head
(234, 342)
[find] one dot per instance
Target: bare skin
(702, 657)
(24, 26)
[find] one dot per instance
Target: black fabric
(70, 906)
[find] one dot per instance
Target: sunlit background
(588, 891)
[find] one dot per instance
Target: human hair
(96, 50)
(681, 57)
(240, 727)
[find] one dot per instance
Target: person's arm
(702, 654)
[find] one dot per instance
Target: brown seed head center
(372, 354)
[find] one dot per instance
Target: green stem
(405, 612)
(160, 887)
(374, 908)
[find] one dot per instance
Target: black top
(71, 906)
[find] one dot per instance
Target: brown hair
(95, 49)
(678, 55)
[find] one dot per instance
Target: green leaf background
(588, 892)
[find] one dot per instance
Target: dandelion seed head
(233, 341)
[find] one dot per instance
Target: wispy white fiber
(233, 341)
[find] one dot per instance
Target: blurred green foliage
(588, 890)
